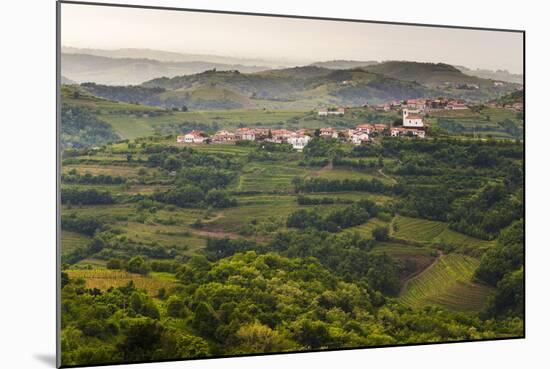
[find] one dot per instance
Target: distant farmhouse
(331, 111)
(192, 137)
(456, 105)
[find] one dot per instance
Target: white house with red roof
(194, 137)
(298, 141)
(412, 118)
(455, 105)
(366, 127)
(419, 104)
(359, 137)
(245, 134)
(281, 133)
(328, 132)
(223, 136)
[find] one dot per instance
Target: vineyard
(447, 283)
(103, 279)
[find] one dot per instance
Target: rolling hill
(171, 56)
(125, 71)
(511, 98)
(500, 75)
(429, 74)
(445, 78)
(297, 88)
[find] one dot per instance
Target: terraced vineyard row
(447, 283)
(428, 231)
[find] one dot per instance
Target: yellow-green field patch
(104, 278)
(112, 170)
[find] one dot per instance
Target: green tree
(137, 264)
(381, 234)
(176, 308)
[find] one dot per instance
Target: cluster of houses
(423, 105)
(428, 105)
(298, 139)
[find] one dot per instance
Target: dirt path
(217, 234)
(326, 168)
(224, 234)
(394, 181)
(418, 274)
(213, 219)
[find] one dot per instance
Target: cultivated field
(103, 279)
(448, 283)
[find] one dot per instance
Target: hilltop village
(412, 112)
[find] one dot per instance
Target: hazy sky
(275, 38)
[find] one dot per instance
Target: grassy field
(447, 283)
(104, 279)
(269, 177)
(112, 170)
(415, 229)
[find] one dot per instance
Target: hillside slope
(449, 80)
(306, 87)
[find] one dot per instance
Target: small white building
(367, 128)
(324, 112)
(412, 118)
(194, 137)
(456, 106)
(396, 132)
(359, 137)
(328, 132)
(298, 142)
(339, 111)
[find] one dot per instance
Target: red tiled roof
(366, 125)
